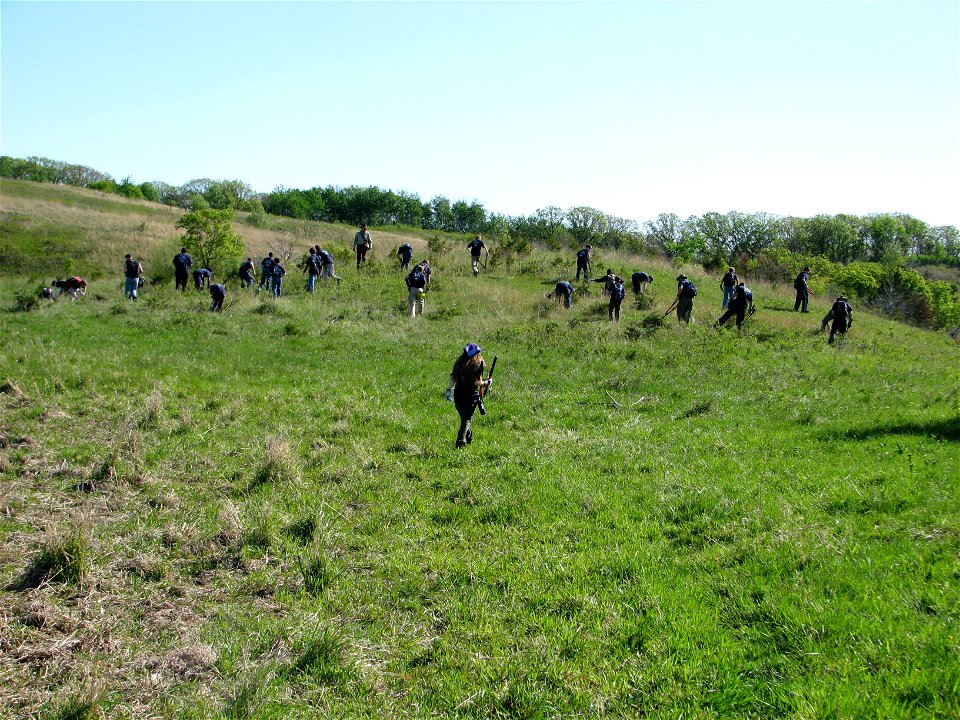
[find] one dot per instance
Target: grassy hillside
(261, 513)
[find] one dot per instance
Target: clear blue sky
(634, 108)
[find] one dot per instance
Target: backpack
(839, 309)
(180, 261)
(729, 280)
(800, 282)
(747, 295)
(583, 254)
(133, 268)
(618, 291)
(417, 279)
(688, 289)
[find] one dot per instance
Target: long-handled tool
(670, 310)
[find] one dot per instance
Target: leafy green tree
(210, 237)
(678, 239)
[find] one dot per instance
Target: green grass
(652, 520)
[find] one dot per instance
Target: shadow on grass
(944, 429)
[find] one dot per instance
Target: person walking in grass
(465, 389)
(842, 315)
(562, 293)
(740, 303)
(266, 272)
(416, 289)
(362, 243)
(617, 293)
(312, 269)
(728, 283)
(686, 292)
(476, 247)
(640, 282)
(217, 295)
(405, 253)
(326, 266)
(181, 268)
(132, 271)
(584, 256)
(802, 286)
(201, 276)
(247, 273)
(277, 271)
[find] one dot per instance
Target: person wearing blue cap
(465, 387)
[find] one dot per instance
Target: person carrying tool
(476, 247)
(740, 302)
(466, 387)
(683, 303)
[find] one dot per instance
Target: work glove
(449, 395)
(488, 382)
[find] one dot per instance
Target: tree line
(713, 239)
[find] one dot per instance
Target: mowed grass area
(261, 513)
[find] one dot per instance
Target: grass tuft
(279, 464)
(323, 656)
(63, 558)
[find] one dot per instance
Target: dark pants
(613, 309)
(840, 325)
(741, 314)
(361, 255)
(466, 406)
(584, 268)
(181, 278)
(684, 309)
(803, 297)
(404, 263)
(216, 304)
(566, 298)
(246, 281)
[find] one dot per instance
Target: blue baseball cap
(472, 349)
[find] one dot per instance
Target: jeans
(246, 281)
(216, 304)
(130, 286)
(727, 294)
(327, 273)
(276, 287)
(264, 280)
(566, 299)
(475, 264)
(311, 282)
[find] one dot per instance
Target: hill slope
(261, 513)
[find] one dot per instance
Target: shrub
(859, 279)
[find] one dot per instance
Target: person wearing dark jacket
(132, 270)
(584, 256)
(685, 294)
(842, 315)
(729, 283)
(617, 293)
(640, 281)
(201, 277)
(608, 281)
(247, 273)
(405, 253)
(740, 302)
(312, 268)
(476, 247)
(217, 295)
(802, 286)
(266, 272)
(562, 292)
(277, 271)
(466, 387)
(181, 268)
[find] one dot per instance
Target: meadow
(261, 513)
